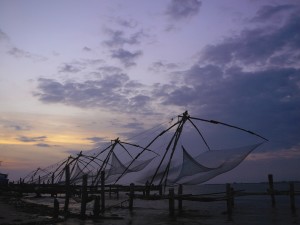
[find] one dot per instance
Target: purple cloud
(179, 9)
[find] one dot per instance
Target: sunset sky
(75, 73)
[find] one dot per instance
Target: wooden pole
(180, 195)
(56, 209)
(67, 187)
(147, 189)
(117, 192)
(52, 182)
(292, 196)
(232, 196)
(171, 202)
(271, 189)
(229, 202)
(102, 191)
(38, 194)
(96, 210)
(84, 196)
(131, 196)
(160, 190)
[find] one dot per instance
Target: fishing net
(196, 170)
(158, 158)
(117, 167)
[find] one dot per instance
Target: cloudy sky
(74, 74)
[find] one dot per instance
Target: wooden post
(171, 202)
(67, 187)
(52, 188)
(160, 190)
(38, 194)
(109, 191)
(131, 196)
(96, 210)
(232, 196)
(229, 202)
(84, 196)
(271, 189)
(147, 189)
(292, 197)
(118, 192)
(52, 180)
(102, 191)
(180, 195)
(56, 209)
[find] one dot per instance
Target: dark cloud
(86, 49)
(43, 145)
(134, 126)
(269, 11)
(179, 9)
(127, 23)
(140, 101)
(3, 36)
(115, 92)
(251, 79)
(267, 101)
(108, 70)
(161, 66)
(96, 140)
(31, 139)
(19, 53)
(259, 46)
(117, 38)
(18, 127)
(70, 68)
(126, 57)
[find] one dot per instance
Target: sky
(75, 74)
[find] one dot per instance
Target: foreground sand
(15, 211)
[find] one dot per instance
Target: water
(248, 210)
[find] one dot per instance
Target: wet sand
(14, 211)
